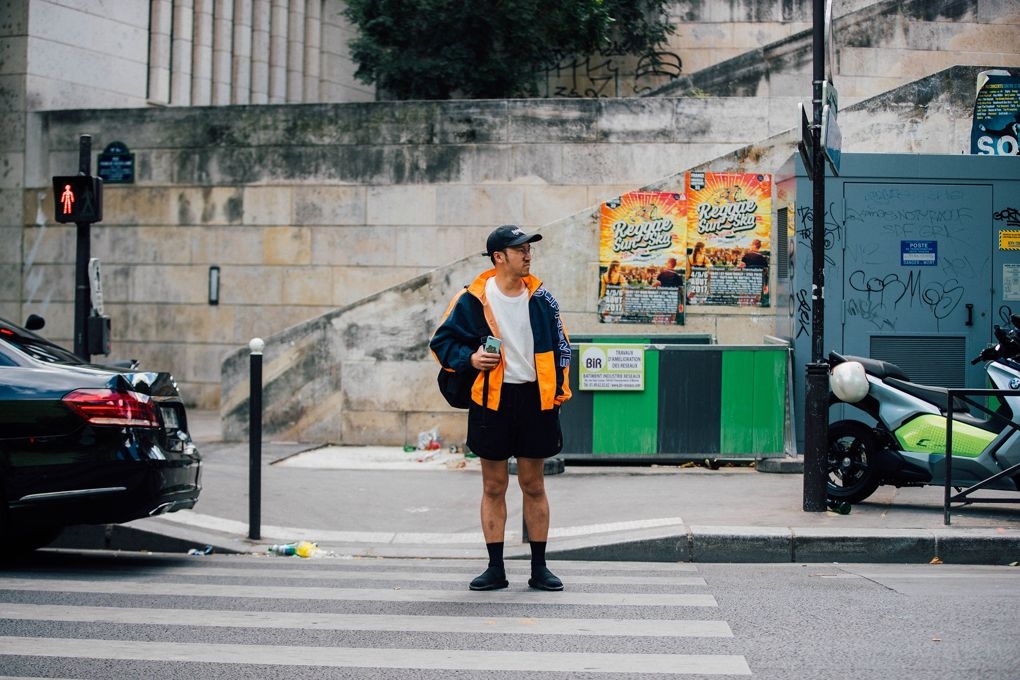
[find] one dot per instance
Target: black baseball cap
(507, 236)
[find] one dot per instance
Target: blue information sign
(919, 253)
(117, 164)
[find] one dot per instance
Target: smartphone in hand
(492, 345)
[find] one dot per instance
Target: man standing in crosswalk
(516, 398)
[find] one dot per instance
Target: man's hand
(484, 361)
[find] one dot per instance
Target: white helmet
(849, 381)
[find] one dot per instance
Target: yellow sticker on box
(1009, 240)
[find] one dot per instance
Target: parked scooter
(907, 444)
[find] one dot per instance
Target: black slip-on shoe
(543, 579)
(490, 579)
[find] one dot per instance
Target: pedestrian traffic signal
(78, 198)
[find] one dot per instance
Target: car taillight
(107, 407)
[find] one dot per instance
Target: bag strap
(482, 324)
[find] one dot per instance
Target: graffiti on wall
(610, 72)
(833, 233)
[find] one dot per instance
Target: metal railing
(964, 495)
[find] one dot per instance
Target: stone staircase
(878, 46)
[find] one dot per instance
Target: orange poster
(729, 227)
(642, 256)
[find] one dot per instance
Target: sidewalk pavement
(385, 502)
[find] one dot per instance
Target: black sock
(495, 554)
(537, 554)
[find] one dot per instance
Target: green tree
(437, 49)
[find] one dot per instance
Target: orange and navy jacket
(469, 319)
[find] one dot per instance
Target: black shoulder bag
(456, 385)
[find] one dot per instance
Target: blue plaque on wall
(919, 253)
(117, 164)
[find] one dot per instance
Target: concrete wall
(13, 74)
(309, 208)
(877, 46)
(89, 54)
(363, 374)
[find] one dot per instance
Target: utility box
(699, 401)
(922, 258)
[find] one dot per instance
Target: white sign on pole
(95, 286)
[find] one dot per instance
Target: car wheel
(852, 457)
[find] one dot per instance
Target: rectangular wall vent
(929, 360)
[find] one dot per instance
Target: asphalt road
(117, 615)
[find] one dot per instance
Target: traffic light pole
(816, 397)
(82, 300)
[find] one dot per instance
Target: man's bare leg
(495, 479)
(531, 477)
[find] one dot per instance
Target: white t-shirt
(514, 323)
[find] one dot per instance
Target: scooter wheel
(852, 457)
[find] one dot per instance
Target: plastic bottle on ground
(306, 549)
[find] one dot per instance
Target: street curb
(740, 544)
(660, 544)
(785, 465)
(977, 546)
(728, 544)
(862, 545)
(161, 538)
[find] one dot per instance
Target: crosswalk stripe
(461, 575)
(368, 622)
(340, 657)
(360, 594)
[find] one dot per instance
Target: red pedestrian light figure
(78, 198)
(67, 199)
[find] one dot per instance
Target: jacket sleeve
(563, 357)
(457, 337)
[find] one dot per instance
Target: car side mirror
(34, 322)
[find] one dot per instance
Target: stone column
(313, 49)
(241, 53)
(223, 19)
(278, 53)
(202, 49)
(180, 54)
(295, 52)
(260, 52)
(160, 24)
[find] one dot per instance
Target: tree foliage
(437, 49)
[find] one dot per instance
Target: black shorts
(520, 427)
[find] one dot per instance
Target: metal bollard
(816, 437)
(255, 440)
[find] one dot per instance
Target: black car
(82, 443)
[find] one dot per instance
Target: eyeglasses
(525, 251)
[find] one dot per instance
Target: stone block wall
(306, 209)
(878, 46)
(364, 375)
